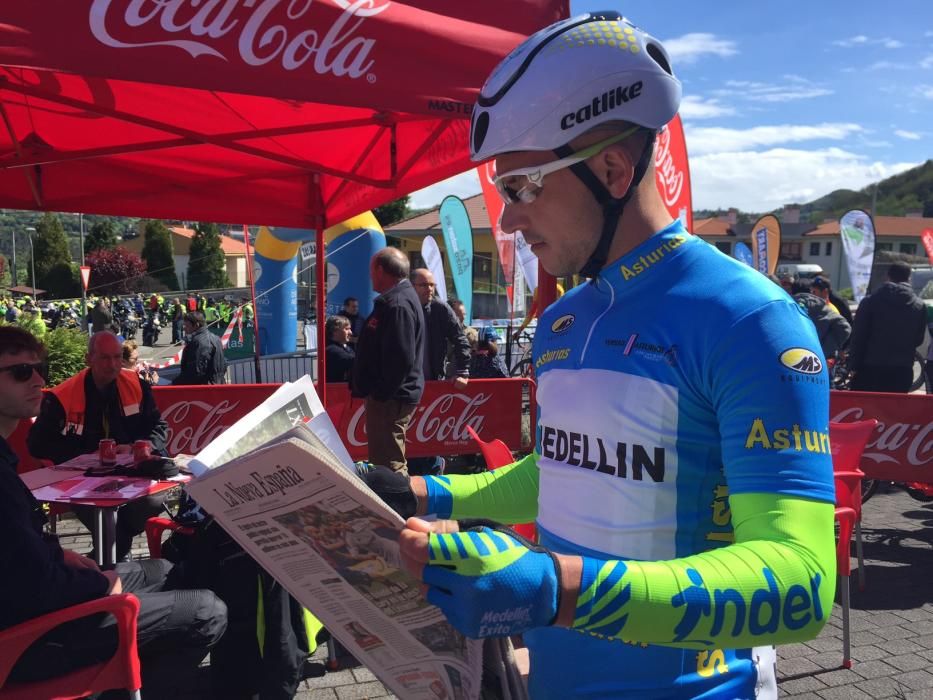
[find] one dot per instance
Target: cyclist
(681, 480)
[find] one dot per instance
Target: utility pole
(32, 261)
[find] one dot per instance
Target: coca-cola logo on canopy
(258, 32)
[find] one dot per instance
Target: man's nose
(511, 220)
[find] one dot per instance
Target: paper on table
(94, 488)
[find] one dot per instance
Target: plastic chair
(154, 529)
(497, 454)
(847, 442)
(121, 671)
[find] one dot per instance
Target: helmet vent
(657, 54)
(480, 128)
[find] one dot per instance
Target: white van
(798, 270)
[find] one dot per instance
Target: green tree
(207, 265)
(62, 281)
(393, 212)
(102, 236)
(50, 247)
(158, 253)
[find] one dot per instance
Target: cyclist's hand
(491, 582)
(460, 382)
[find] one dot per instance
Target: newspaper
(302, 513)
(95, 488)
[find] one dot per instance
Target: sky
(786, 101)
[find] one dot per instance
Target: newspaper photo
(302, 513)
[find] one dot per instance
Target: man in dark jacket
(351, 312)
(388, 369)
(102, 401)
(175, 629)
(340, 355)
(889, 325)
(831, 328)
(202, 360)
(441, 328)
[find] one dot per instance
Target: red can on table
(108, 451)
(142, 450)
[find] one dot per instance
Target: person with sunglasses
(175, 629)
(102, 401)
(681, 480)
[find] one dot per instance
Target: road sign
(85, 275)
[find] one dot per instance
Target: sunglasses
(22, 372)
(525, 184)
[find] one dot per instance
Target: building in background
(234, 253)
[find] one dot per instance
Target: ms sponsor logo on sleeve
(563, 324)
(801, 366)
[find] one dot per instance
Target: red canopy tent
(281, 112)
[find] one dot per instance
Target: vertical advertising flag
(672, 172)
(458, 237)
(743, 253)
(857, 230)
(766, 244)
(527, 261)
(927, 239)
(505, 242)
(432, 259)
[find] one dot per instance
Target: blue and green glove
(491, 582)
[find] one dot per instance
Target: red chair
(847, 442)
(497, 454)
(121, 671)
(154, 529)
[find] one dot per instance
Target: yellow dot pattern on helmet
(597, 34)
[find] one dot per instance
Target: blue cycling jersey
(677, 377)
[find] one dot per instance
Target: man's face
(342, 334)
(352, 307)
(562, 224)
(187, 327)
(20, 399)
(821, 293)
(106, 360)
(460, 312)
(424, 286)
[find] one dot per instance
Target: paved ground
(892, 622)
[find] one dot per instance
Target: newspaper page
(291, 404)
(332, 544)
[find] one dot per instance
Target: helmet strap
(612, 207)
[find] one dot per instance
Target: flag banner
(766, 244)
(927, 238)
(458, 238)
(527, 261)
(505, 242)
(743, 253)
(857, 230)
(433, 261)
(672, 172)
(518, 290)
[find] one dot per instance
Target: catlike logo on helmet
(257, 31)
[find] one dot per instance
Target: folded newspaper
(281, 483)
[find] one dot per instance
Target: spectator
(459, 311)
(889, 325)
(486, 363)
(202, 360)
(177, 315)
(442, 329)
(339, 353)
(131, 361)
(351, 312)
(175, 629)
(102, 401)
(831, 328)
(101, 316)
(387, 371)
(821, 287)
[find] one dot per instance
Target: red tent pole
(320, 301)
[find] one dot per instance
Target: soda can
(108, 452)
(142, 450)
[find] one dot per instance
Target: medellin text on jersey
(663, 386)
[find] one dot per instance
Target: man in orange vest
(102, 401)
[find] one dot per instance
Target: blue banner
(458, 238)
(743, 253)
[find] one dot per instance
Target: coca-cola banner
(492, 407)
(672, 172)
(901, 448)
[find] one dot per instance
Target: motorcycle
(151, 329)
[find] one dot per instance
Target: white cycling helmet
(567, 79)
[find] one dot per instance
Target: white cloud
(862, 40)
(760, 181)
(927, 61)
(797, 89)
(462, 185)
(709, 140)
(695, 107)
(890, 65)
(925, 91)
(909, 135)
(690, 47)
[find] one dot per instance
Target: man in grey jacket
(889, 325)
(831, 328)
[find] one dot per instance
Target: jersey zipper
(589, 335)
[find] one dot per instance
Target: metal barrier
(275, 369)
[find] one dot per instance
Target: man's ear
(618, 170)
